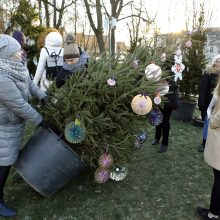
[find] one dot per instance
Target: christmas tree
(100, 100)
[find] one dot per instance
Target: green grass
(164, 186)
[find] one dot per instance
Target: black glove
(45, 101)
(43, 124)
(203, 114)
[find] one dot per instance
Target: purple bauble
(105, 160)
(101, 175)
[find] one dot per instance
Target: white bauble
(153, 72)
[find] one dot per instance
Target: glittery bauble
(163, 88)
(163, 57)
(118, 174)
(153, 72)
(74, 132)
(141, 104)
(135, 64)
(157, 100)
(155, 117)
(105, 160)
(188, 43)
(137, 144)
(142, 136)
(101, 175)
(111, 82)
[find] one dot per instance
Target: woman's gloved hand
(45, 101)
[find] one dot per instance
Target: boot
(162, 149)
(5, 211)
(155, 142)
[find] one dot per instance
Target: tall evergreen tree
(194, 60)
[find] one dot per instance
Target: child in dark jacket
(74, 59)
(171, 103)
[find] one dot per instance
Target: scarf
(69, 67)
(15, 69)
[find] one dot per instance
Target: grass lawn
(164, 186)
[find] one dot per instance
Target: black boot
(5, 211)
(162, 149)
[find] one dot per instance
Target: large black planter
(185, 112)
(47, 163)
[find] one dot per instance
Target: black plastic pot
(47, 163)
(185, 112)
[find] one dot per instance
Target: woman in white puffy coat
(53, 43)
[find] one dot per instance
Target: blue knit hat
(19, 36)
(8, 46)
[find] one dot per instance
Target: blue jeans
(205, 128)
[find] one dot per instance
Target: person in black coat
(207, 86)
(171, 103)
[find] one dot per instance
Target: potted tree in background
(195, 63)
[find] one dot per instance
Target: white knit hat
(8, 46)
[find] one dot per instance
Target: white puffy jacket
(53, 42)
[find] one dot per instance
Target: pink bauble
(157, 100)
(111, 82)
(105, 160)
(101, 175)
(188, 43)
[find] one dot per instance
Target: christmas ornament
(188, 43)
(75, 132)
(118, 173)
(141, 104)
(111, 81)
(163, 88)
(163, 57)
(178, 52)
(105, 160)
(153, 72)
(157, 100)
(142, 136)
(155, 117)
(178, 67)
(101, 175)
(135, 64)
(137, 144)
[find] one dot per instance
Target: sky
(172, 15)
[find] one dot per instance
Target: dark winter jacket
(207, 86)
(15, 89)
(69, 69)
(172, 101)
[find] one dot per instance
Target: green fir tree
(104, 110)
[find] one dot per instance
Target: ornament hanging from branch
(135, 64)
(111, 81)
(178, 67)
(105, 160)
(75, 132)
(163, 57)
(155, 117)
(188, 43)
(141, 104)
(118, 173)
(101, 175)
(153, 72)
(163, 88)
